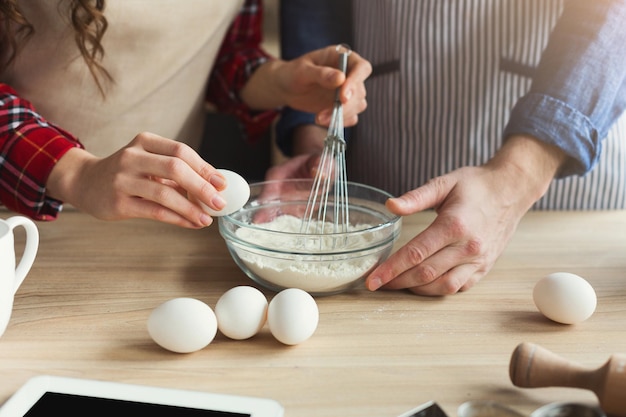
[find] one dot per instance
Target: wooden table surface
(83, 308)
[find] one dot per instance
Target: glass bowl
(266, 239)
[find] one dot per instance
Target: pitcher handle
(30, 248)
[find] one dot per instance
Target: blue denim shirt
(578, 89)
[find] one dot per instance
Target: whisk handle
(343, 61)
(344, 51)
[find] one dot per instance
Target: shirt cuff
(37, 154)
(554, 122)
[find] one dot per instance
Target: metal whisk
(330, 185)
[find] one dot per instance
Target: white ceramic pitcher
(11, 277)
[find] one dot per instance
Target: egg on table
(182, 325)
(292, 316)
(241, 312)
(565, 298)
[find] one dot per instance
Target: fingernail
(205, 219)
(374, 283)
(397, 202)
(218, 202)
(218, 182)
(348, 94)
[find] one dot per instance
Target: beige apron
(159, 52)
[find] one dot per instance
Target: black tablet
(52, 395)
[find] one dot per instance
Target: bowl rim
(391, 222)
(294, 180)
(228, 224)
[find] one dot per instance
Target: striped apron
(447, 74)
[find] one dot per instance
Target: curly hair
(88, 21)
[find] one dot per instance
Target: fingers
(433, 278)
(179, 163)
(359, 69)
(159, 145)
(459, 279)
(295, 191)
(441, 260)
(162, 200)
(322, 67)
(474, 223)
(429, 195)
(433, 239)
(350, 113)
(352, 91)
(325, 77)
(146, 209)
(416, 251)
(301, 166)
(297, 167)
(158, 178)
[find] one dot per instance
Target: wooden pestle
(532, 366)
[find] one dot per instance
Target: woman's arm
(240, 55)
(29, 149)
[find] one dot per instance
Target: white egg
(182, 325)
(565, 298)
(241, 312)
(236, 194)
(292, 316)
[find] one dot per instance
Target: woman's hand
(309, 83)
(152, 177)
(478, 210)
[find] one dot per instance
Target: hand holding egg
(236, 194)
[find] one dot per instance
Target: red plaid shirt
(30, 146)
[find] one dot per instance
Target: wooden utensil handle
(532, 366)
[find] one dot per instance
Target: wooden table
(83, 308)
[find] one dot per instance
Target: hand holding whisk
(330, 186)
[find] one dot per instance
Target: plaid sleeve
(239, 56)
(29, 149)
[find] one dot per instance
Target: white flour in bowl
(305, 272)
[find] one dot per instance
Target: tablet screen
(45, 395)
(69, 405)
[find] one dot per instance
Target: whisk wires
(330, 186)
